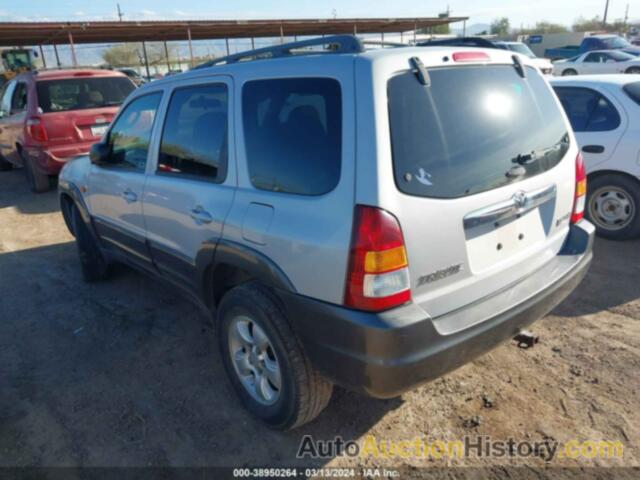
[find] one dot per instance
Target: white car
(597, 62)
(543, 64)
(604, 112)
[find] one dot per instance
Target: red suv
(49, 117)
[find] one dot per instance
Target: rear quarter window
(293, 134)
(463, 133)
(633, 90)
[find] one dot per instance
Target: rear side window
(292, 130)
(633, 90)
(194, 139)
(19, 101)
(588, 110)
(472, 125)
(82, 92)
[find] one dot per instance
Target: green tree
(500, 26)
(545, 27)
(594, 24)
(438, 29)
(122, 55)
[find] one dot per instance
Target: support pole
(226, 41)
(355, 29)
(464, 28)
(415, 32)
(74, 59)
(401, 37)
(166, 54)
(281, 35)
(55, 50)
(606, 12)
(146, 60)
(253, 44)
(44, 60)
(190, 46)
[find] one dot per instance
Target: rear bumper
(386, 354)
(49, 161)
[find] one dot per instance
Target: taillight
(580, 196)
(378, 275)
(35, 129)
(470, 57)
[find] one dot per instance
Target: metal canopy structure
(51, 33)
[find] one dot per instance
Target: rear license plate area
(493, 243)
(99, 130)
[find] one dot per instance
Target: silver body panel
(308, 237)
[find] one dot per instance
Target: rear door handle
(200, 215)
(129, 196)
(593, 149)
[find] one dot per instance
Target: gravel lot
(126, 373)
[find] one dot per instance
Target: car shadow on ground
(14, 192)
(612, 282)
(127, 372)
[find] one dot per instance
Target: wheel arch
(602, 173)
(227, 264)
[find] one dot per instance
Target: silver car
(371, 219)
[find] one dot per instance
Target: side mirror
(100, 154)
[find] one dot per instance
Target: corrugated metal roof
(35, 33)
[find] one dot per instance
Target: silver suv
(371, 219)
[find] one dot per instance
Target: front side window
(293, 134)
(131, 133)
(462, 134)
(593, 58)
(588, 110)
(194, 138)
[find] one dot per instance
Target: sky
(519, 12)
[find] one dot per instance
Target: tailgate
(484, 167)
(78, 126)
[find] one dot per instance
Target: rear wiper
(421, 71)
(535, 155)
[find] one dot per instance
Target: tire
(93, 262)
(38, 182)
(633, 70)
(569, 72)
(613, 206)
(302, 393)
(4, 165)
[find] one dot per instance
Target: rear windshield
(462, 134)
(633, 90)
(81, 93)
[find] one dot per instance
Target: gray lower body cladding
(386, 354)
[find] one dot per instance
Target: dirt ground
(126, 373)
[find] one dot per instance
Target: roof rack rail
(334, 44)
(384, 43)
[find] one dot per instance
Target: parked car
(605, 61)
(543, 64)
(594, 42)
(372, 219)
(604, 112)
(48, 117)
(135, 77)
